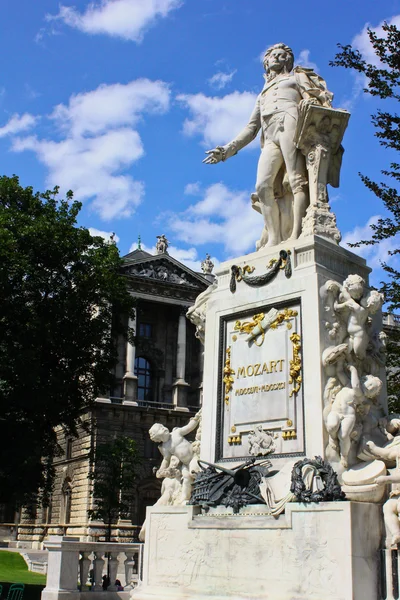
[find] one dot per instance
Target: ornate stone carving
(179, 464)
(391, 508)
(240, 273)
(319, 134)
(261, 443)
(320, 220)
(354, 353)
(207, 265)
(162, 244)
(197, 313)
(298, 128)
(163, 272)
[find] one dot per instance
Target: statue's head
(354, 284)
(277, 59)
(372, 386)
(159, 433)
(375, 301)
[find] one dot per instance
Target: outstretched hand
(214, 156)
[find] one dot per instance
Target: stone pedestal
(277, 379)
(315, 551)
(265, 334)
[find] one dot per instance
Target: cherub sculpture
(171, 489)
(341, 420)
(349, 311)
(358, 309)
(175, 444)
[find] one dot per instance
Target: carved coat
(278, 96)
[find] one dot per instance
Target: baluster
(84, 566)
(129, 563)
(398, 572)
(389, 574)
(113, 568)
(98, 565)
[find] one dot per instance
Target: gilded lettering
(250, 371)
(257, 369)
(241, 372)
(272, 366)
(265, 369)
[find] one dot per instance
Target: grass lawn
(13, 569)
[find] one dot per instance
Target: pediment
(164, 269)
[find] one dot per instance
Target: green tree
(114, 472)
(382, 80)
(61, 297)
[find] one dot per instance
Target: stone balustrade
(390, 571)
(76, 569)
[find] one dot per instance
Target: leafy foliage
(383, 81)
(114, 472)
(57, 330)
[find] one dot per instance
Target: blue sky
(118, 99)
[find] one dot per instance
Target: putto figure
(281, 173)
(174, 444)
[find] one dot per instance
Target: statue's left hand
(307, 101)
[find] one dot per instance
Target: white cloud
(303, 59)
(221, 79)
(107, 235)
(376, 254)
(222, 216)
(99, 143)
(127, 19)
(112, 105)
(359, 83)
(217, 119)
(18, 123)
(192, 189)
(31, 93)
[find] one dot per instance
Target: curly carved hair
(353, 279)
(280, 46)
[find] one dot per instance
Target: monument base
(327, 550)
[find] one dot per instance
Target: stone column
(201, 369)
(180, 385)
(130, 379)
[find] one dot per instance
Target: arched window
(66, 501)
(143, 372)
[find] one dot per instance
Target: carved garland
(227, 379)
(239, 273)
(295, 364)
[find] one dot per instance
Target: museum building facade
(158, 378)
